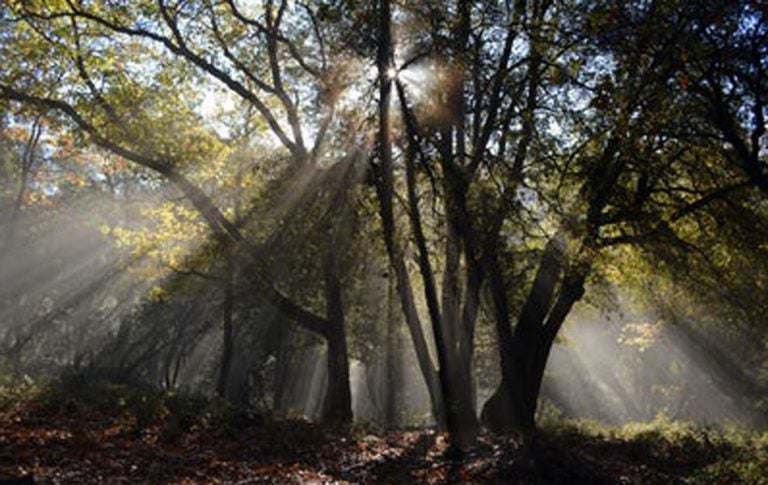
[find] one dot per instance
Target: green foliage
(674, 445)
(16, 390)
(675, 450)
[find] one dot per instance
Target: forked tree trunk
(524, 354)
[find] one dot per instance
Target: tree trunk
(512, 407)
(385, 193)
(228, 335)
(391, 389)
(459, 324)
(337, 406)
(282, 368)
(419, 341)
(524, 354)
(11, 226)
(450, 340)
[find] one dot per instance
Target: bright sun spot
(392, 73)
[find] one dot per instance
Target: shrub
(136, 404)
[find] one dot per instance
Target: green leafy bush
(15, 390)
(674, 451)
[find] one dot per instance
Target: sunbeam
(381, 242)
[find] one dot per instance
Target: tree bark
(524, 354)
(337, 406)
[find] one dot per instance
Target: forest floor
(75, 442)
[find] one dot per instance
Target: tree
(107, 100)
(608, 182)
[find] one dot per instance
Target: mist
(438, 241)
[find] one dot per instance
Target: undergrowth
(566, 450)
(131, 403)
(679, 450)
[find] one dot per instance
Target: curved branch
(262, 29)
(217, 222)
(181, 49)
